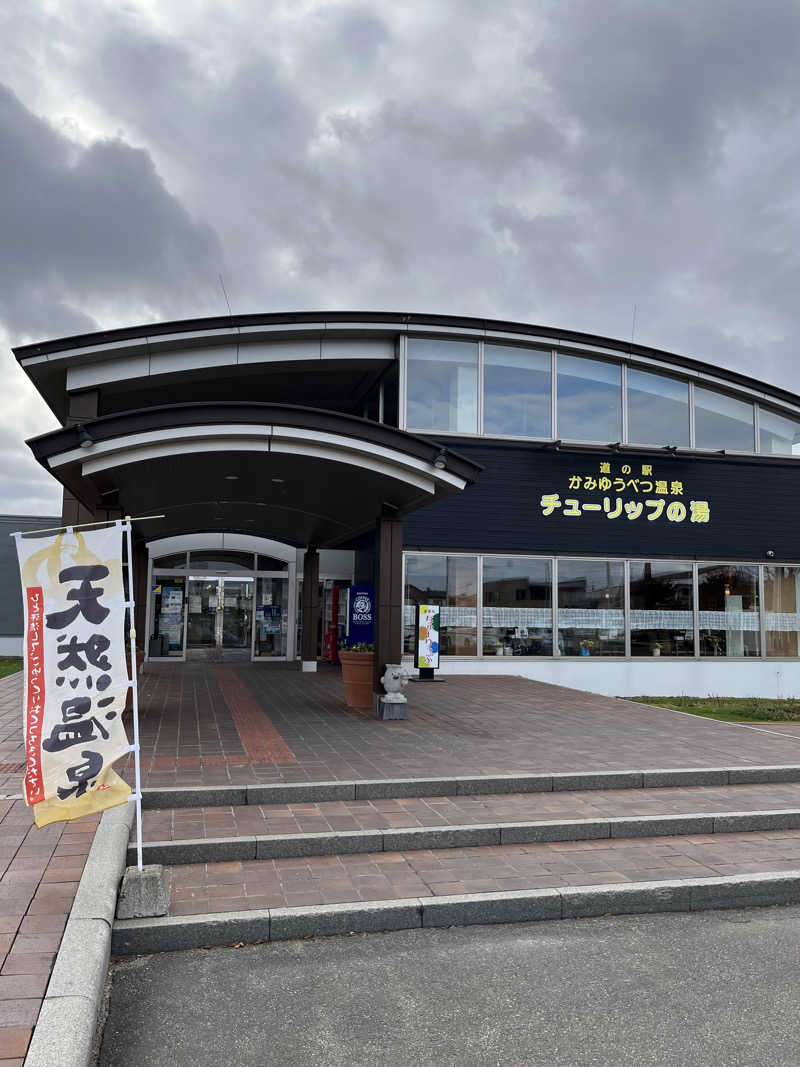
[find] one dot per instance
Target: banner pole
(84, 525)
(135, 692)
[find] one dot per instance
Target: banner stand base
(143, 893)
(389, 709)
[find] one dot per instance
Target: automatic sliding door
(201, 629)
(237, 612)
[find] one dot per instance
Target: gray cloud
(85, 227)
(555, 163)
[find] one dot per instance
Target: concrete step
(470, 785)
(259, 900)
(247, 832)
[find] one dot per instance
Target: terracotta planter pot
(357, 670)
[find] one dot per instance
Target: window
(782, 604)
(167, 608)
(517, 607)
(589, 399)
(721, 421)
(662, 609)
(442, 385)
(269, 563)
(514, 605)
(658, 409)
(272, 617)
(221, 560)
(591, 607)
(729, 612)
(516, 391)
(778, 434)
(176, 561)
(390, 384)
(452, 582)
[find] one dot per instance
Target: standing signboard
(360, 614)
(75, 672)
(427, 639)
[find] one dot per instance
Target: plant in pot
(358, 665)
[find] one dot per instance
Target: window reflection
(658, 409)
(729, 614)
(722, 421)
(778, 434)
(516, 391)
(591, 613)
(782, 606)
(442, 385)
(589, 399)
(517, 607)
(451, 581)
(662, 603)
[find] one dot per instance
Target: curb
(131, 937)
(348, 842)
(471, 785)
(65, 1031)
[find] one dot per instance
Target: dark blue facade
(752, 506)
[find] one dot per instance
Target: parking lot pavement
(716, 989)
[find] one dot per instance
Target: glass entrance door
(235, 617)
(220, 614)
(201, 621)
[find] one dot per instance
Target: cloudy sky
(551, 162)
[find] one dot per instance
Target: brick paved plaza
(216, 723)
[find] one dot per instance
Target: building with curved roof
(584, 511)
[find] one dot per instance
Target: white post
(135, 692)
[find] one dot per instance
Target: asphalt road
(717, 988)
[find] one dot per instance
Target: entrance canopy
(302, 475)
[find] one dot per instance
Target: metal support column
(310, 608)
(139, 593)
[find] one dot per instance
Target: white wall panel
(193, 359)
(87, 375)
(715, 676)
(358, 349)
(278, 351)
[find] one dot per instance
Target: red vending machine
(330, 623)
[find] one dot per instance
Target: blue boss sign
(360, 613)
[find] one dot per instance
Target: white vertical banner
(76, 674)
(428, 636)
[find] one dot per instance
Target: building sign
(532, 498)
(627, 491)
(360, 614)
(76, 674)
(428, 636)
